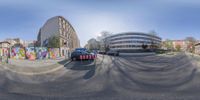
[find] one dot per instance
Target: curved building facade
(133, 41)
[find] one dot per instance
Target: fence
(31, 53)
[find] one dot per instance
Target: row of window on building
(135, 34)
(142, 42)
(126, 46)
(145, 38)
(64, 27)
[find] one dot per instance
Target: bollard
(93, 57)
(86, 57)
(81, 57)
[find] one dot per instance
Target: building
(18, 41)
(4, 44)
(182, 43)
(132, 41)
(15, 41)
(58, 26)
(197, 48)
(11, 41)
(29, 43)
(38, 42)
(4, 48)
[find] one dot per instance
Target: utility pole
(65, 45)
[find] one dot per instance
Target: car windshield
(99, 49)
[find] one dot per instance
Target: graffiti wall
(41, 52)
(53, 53)
(30, 53)
(18, 53)
(4, 51)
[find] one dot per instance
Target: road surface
(154, 77)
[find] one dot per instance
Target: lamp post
(65, 45)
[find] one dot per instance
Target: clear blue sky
(173, 19)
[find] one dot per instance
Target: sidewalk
(35, 67)
(35, 63)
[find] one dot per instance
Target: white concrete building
(4, 44)
(15, 41)
(29, 43)
(132, 41)
(11, 41)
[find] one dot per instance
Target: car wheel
(74, 59)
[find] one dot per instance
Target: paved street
(153, 77)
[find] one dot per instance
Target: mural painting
(4, 53)
(1, 52)
(18, 53)
(30, 53)
(53, 53)
(41, 52)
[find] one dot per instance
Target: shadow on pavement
(80, 65)
(83, 65)
(187, 74)
(137, 55)
(63, 61)
(90, 73)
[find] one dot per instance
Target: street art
(53, 53)
(4, 53)
(30, 53)
(1, 52)
(41, 52)
(18, 53)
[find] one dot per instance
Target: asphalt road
(151, 77)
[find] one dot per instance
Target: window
(60, 30)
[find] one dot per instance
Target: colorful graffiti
(4, 52)
(30, 53)
(18, 53)
(41, 52)
(53, 53)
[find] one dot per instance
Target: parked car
(76, 55)
(101, 52)
(80, 49)
(113, 53)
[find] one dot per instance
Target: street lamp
(65, 45)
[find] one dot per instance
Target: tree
(178, 48)
(168, 44)
(144, 46)
(93, 44)
(54, 42)
(103, 35)
(153, 45)
(191, 39)
(153, 32)
(190, 43)
(104, 42)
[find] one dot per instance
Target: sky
(170, 19)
